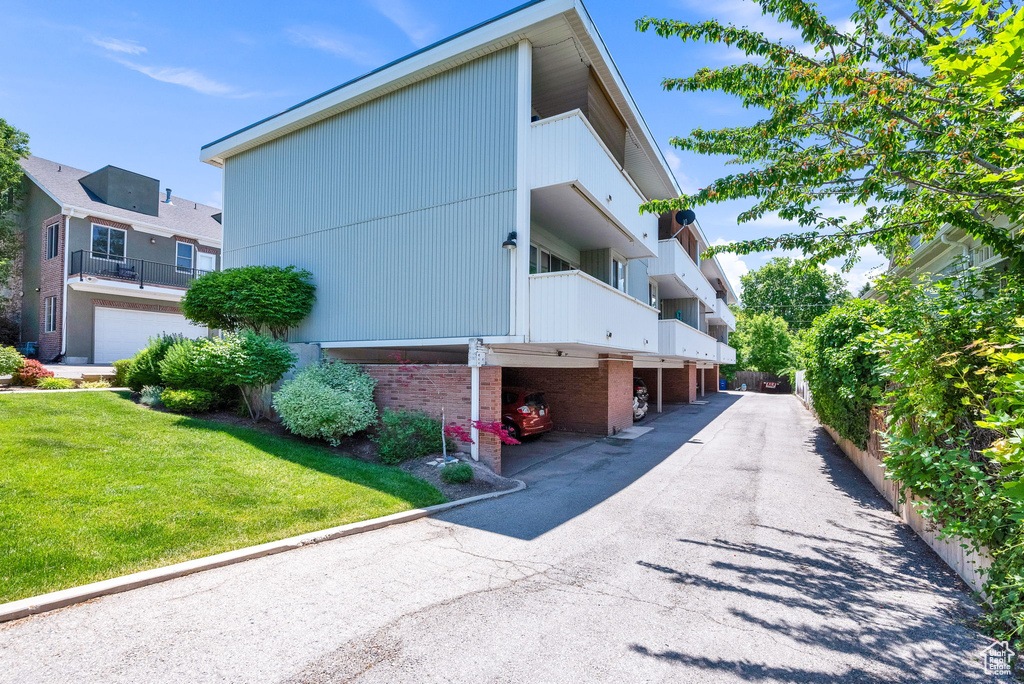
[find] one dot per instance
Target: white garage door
(120, 333)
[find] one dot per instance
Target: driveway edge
(66, 597)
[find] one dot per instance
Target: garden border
(43, 603)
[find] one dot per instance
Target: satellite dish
(685, 217)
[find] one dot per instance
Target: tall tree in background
(911, 118)
(763, 343)
(13, 147)
(792, 291)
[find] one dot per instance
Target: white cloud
(871, 265)
(188, 78)
(353, 48)
(128, 47)
(732, 265)
(675, 162)
(406, 17)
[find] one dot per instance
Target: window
(543, 261)
(50, 314)
(52, 240)
(619, 274)
(108, 243)
(183, 256)
(652, 292)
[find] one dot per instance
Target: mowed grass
(93, 486)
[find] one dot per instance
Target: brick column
(711, 377)
(51, 284)
(680, 384)
(616, 374)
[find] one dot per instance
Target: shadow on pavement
(560, 489)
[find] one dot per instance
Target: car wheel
(513, 431)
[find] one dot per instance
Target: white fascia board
(142, 227)
(420, 342)
(332, 102)
(164, 294)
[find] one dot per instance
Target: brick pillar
(490, 412)
(51, 285)
(680, 384)
(711, 376)
(616, 374)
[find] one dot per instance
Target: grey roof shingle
(184, 217)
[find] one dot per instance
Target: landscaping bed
(96, 486)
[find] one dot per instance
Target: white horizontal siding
(679, 339)
(674, 262)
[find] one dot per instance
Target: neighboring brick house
(106, 258)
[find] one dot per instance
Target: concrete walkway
(733, 543)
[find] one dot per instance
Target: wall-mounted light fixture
(152, 240)
(510, 241)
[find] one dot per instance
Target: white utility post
(477, 357)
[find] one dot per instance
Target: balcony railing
(722, 315)
(675, 270)
(679, 339)
(94, 264)
(726, 354)
(572, 167)
(571, 307)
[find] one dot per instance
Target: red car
(524, 412)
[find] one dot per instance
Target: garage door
(120, 333)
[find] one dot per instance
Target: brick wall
(51, 284)
(680, 384)
(598, 400)
(426, 388)
(136, 306)
(711, 379)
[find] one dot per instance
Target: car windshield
(535, 399)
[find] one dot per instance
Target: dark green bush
(457, 473)
(251, 298)
(121, 370)
(187, 401)
(145, 366)
(404, 434)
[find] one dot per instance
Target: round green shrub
(327, 401)
(187, 401)
(457, 473)
(144, 368)
(404, 434)
(10, 360)
(121, 370)
(55, 383)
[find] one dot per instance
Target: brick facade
(195, 243)
(711, 379)
(680, 384)
(51, 284)
(597, 400)
(426, 388)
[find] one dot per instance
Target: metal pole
(659, 389)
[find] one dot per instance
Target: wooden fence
(753, 381)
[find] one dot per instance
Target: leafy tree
(792, 291)
(763, 343)
(13, 147)
(911, 116)
(251, 298)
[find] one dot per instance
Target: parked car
(524, 412)
(640, 399)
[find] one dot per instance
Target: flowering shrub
(55, 383)
(10, 360)
(187, 401)
(30, 373)
(327, 401)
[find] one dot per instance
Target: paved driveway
(732, 543)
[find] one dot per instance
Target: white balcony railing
(676, 338)
(726, 354)
(676, 271)
(567, 152)
(722, 315)
(571, 307)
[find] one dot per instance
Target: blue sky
(144, 85)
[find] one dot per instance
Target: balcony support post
(659, 388)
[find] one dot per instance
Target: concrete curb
(67, 597)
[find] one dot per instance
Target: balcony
(676, 338)
(679, 277)
(722, 315)
(91, 264)
(726, 354)
(573, 308)
(578, 186)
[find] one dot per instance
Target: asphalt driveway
(732, 543)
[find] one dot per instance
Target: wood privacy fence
(753, 380)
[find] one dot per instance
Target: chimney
(168, 191)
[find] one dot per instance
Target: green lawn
(93, 486)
